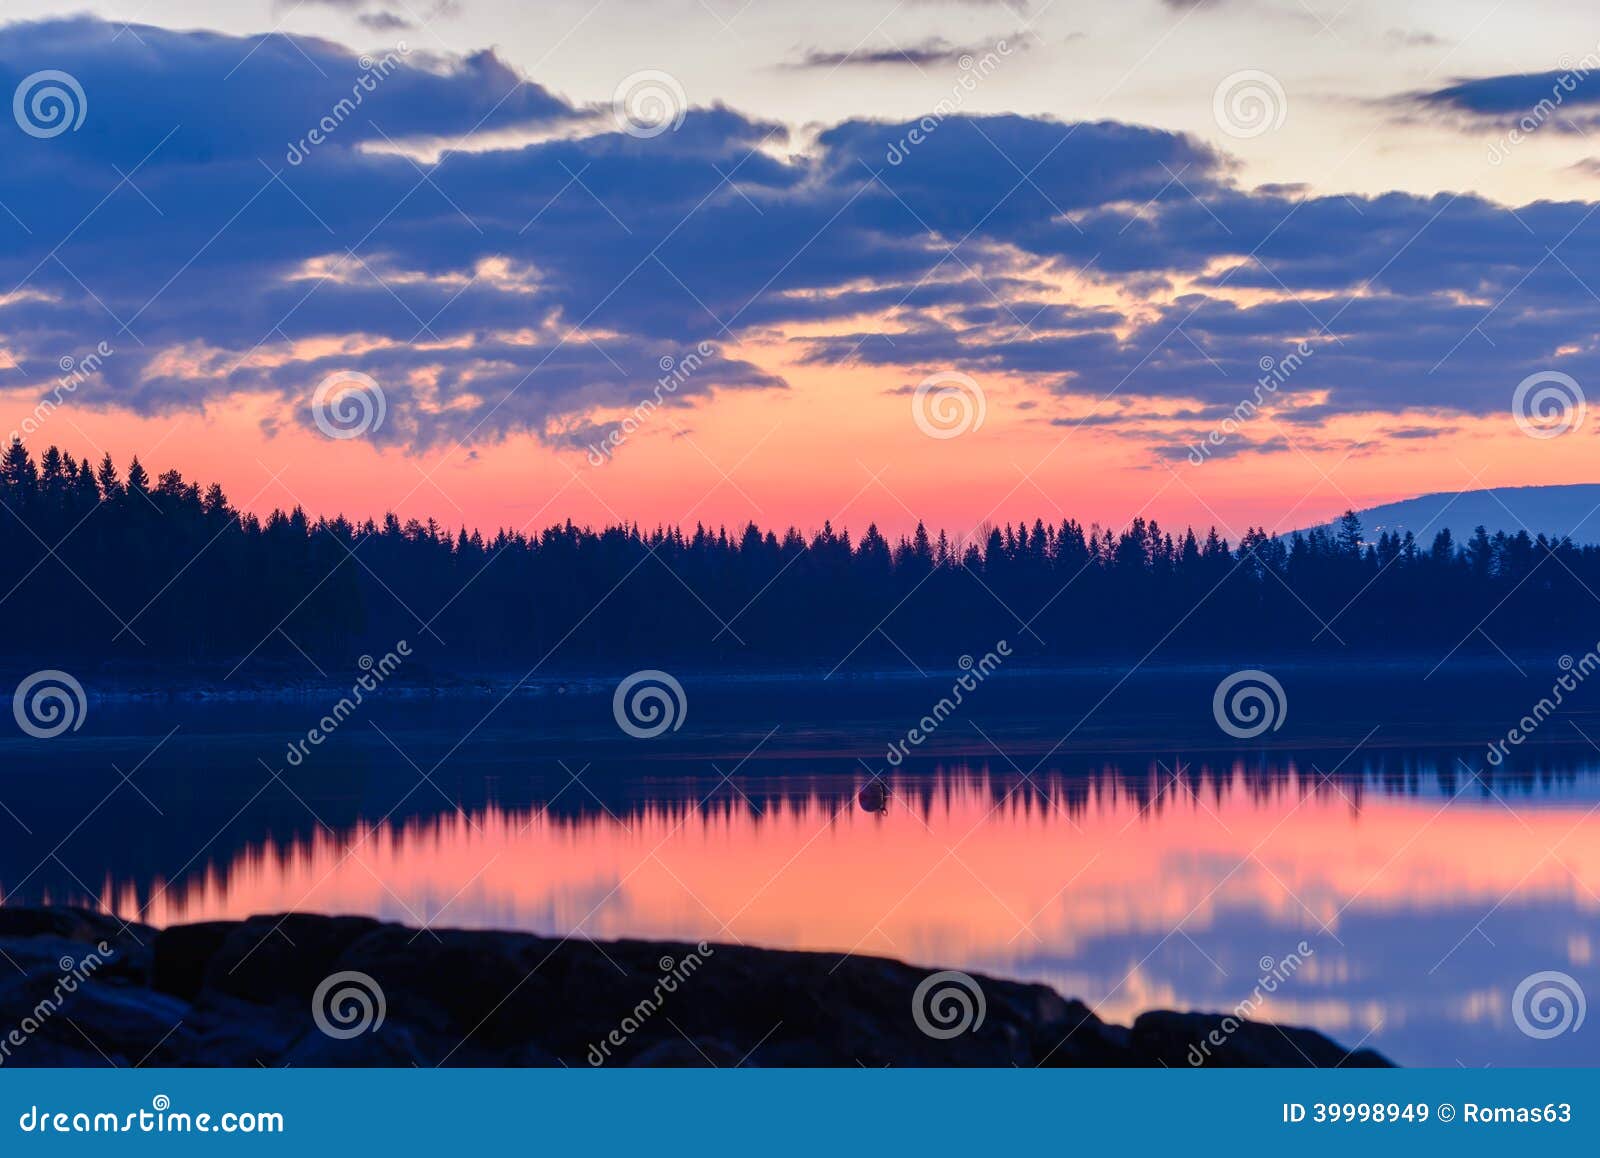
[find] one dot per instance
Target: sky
(1221, 262)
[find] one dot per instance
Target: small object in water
(874, 797)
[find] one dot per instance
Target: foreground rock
(82, 989)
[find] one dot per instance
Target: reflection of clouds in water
(1085, 898)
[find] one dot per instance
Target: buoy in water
(874, 797)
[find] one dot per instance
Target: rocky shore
(80, 989)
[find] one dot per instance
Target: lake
(1363, 870)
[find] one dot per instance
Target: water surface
(1394, 892)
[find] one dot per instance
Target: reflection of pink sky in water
(968, 882)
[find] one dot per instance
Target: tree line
(106, 567)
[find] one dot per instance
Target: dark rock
(240, 993)
(1227, 1041)
(182, 953)
(281, 958)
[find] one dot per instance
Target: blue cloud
(528, 267)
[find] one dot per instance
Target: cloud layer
(503, 260)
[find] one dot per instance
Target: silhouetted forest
(101, 567)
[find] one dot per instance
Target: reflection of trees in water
(279, 826)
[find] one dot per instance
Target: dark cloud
(1567, 100)
(931, 52)
(1403, 38)
(534, 275)
(383, 21)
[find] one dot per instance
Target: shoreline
(307, 990)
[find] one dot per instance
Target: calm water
(1132, 878)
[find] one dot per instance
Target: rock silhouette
(241, 993)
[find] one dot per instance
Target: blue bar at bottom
(800, 1112)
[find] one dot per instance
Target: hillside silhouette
(100, 567)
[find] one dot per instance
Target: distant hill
(1555, 511)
